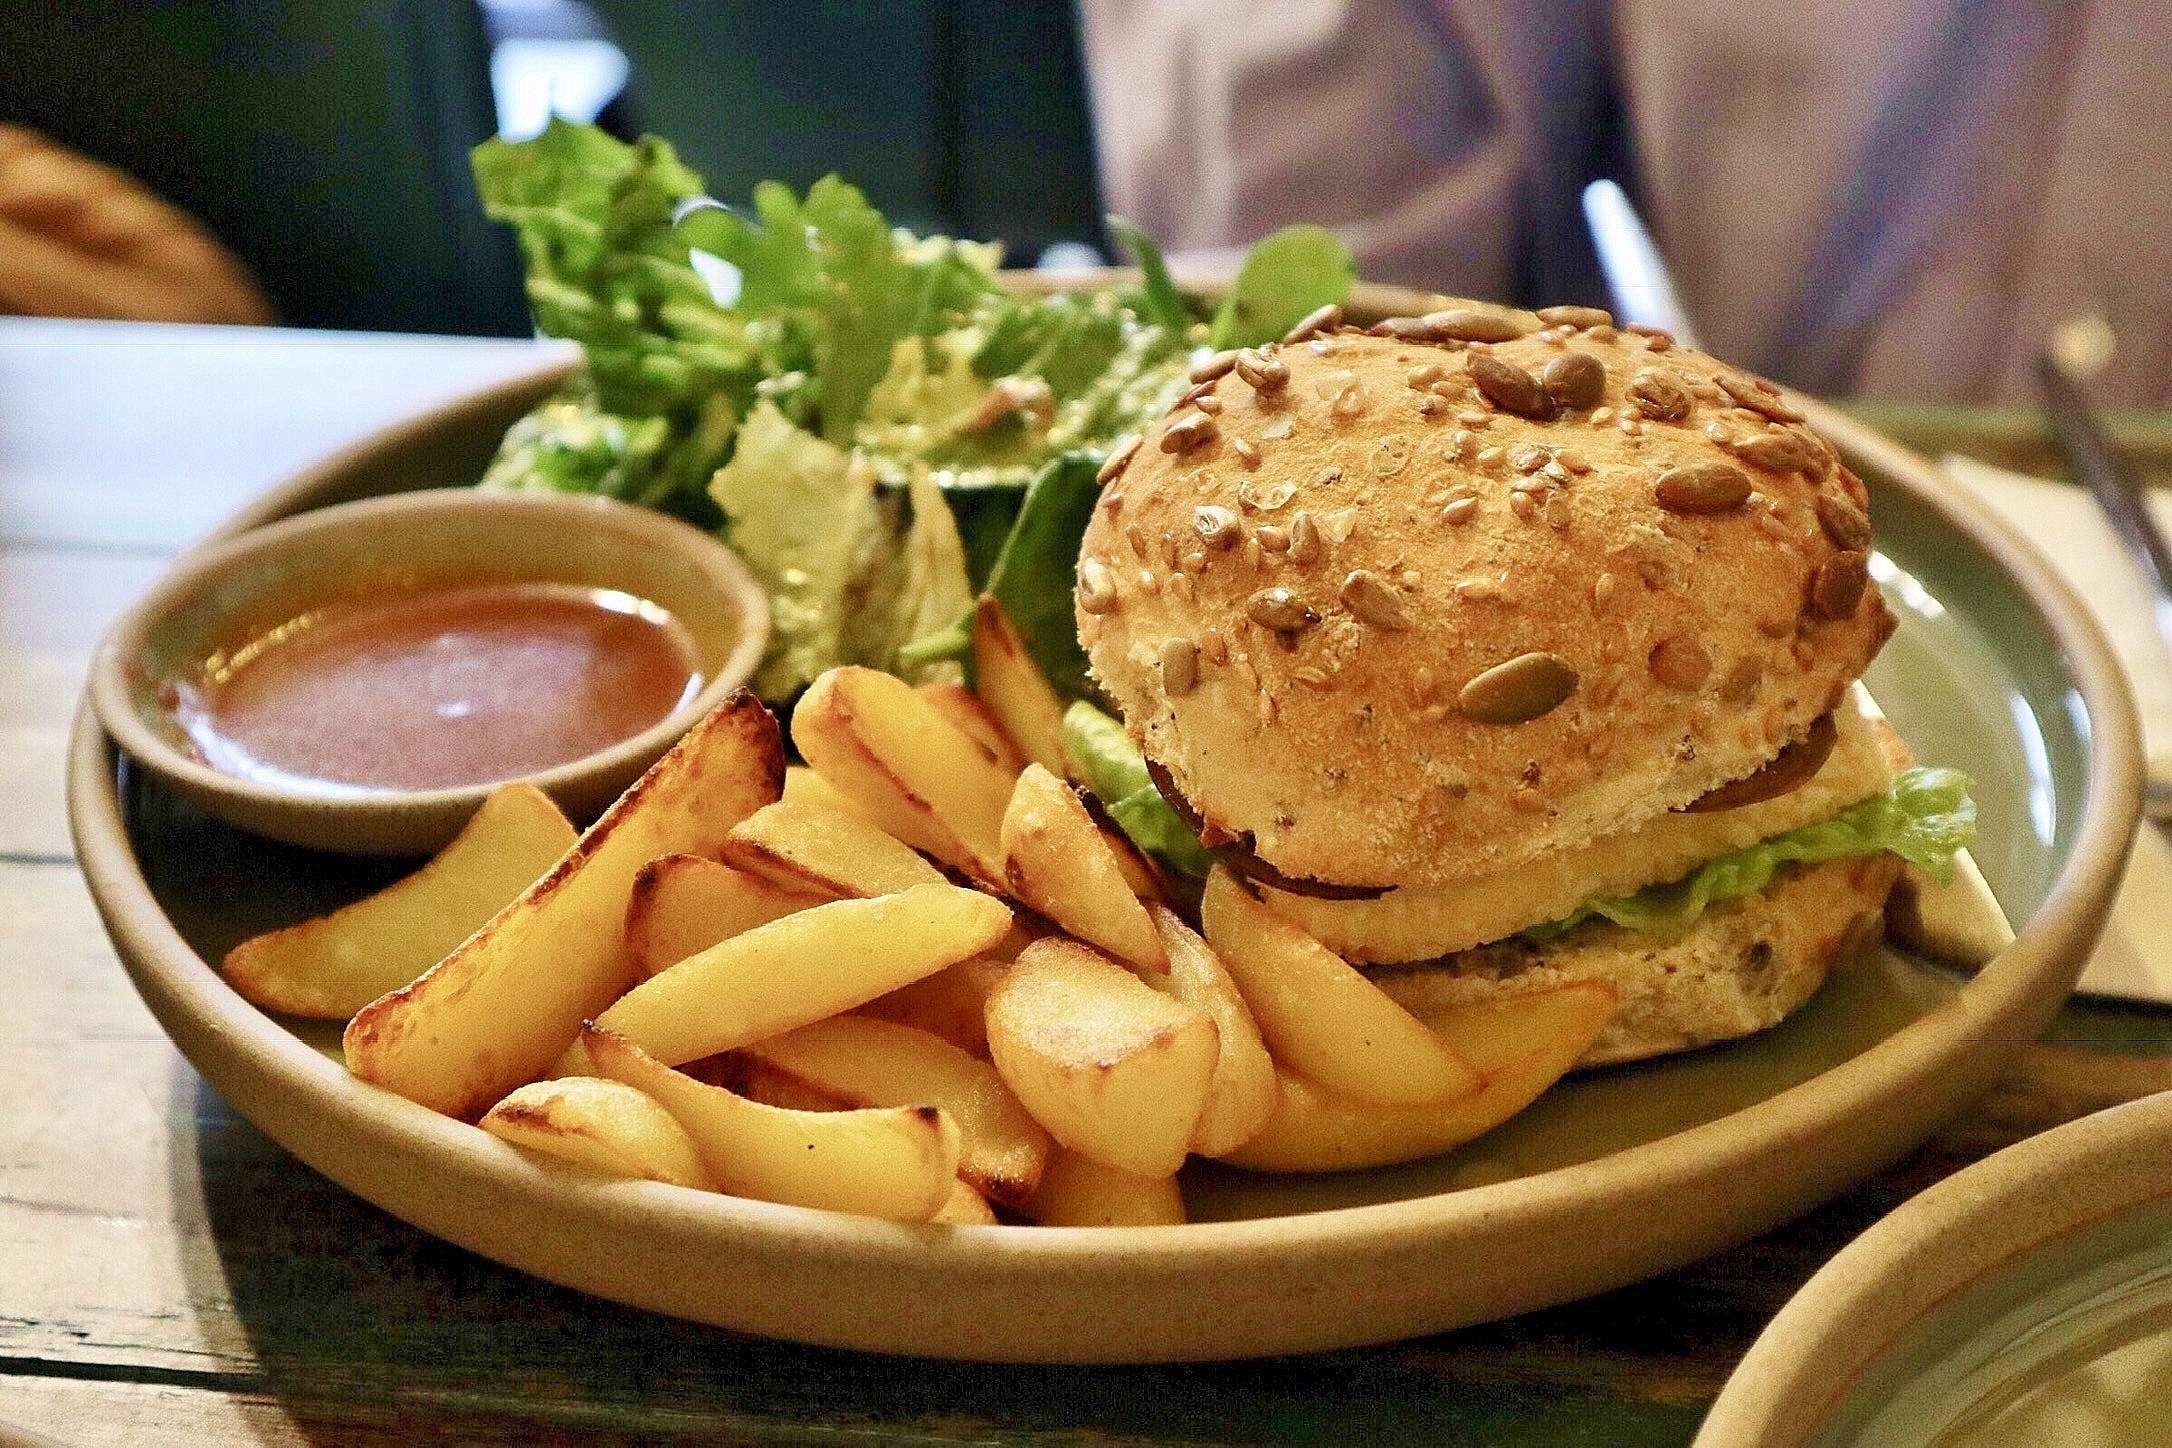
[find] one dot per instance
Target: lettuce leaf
(1160, 301)
(1115, 770)
(608, 269)
(801, 513)
(839, 286)
(1284, 279)
(1924, 815)
(930, 589)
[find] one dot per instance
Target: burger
(1505, 649)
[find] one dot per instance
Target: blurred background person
(1896, 198)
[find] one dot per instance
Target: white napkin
(2067, 527)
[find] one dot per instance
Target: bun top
(1407, 605)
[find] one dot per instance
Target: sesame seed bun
(1431, 602)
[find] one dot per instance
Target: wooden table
(168, 1276)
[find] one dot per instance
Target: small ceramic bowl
(2011, 1303)
(232, 591)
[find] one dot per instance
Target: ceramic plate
(1995, 669)
(2026, 1299)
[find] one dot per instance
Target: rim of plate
(1276, 1284)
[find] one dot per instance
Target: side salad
(883, 425)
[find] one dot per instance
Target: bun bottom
(1746, 965)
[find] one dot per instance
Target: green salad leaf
(1115, 770)
(801, 512)
(1162, 303)
(1035, 573)
(1284, 279)
(1924, 815)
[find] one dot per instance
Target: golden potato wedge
(1242, 1095)
(1017, 694)
(1026, 927)
(952, 1003)
(1320, 1016)
(868, 1062)
(1527, 1041)
(334, 965)
(1139, 873)
(895, 1162)
(962, 707)
(1057, 861)
(803, 786)
(1077, 1191)
(757, 1080)
(502, 1007)
(827, 851)
(906, 767)
(966, 1208)
(1113, 1068)
(801, 968)
(606, 1126)
(683, 904)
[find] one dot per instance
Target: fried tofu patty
(1424, 922)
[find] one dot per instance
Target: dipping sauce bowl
(358, 677)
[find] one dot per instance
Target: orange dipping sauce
(440, 689)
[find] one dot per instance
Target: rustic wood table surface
(169, 1276)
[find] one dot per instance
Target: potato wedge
(864, 1061)
(683, 904)
(606, 1126)
(965, 1208)
(895, 1162)
(801, 968)
(1014, 689)
(1077, 1191)
(906, 767)
(1145, 881)
(1242, 1095)
(503, 1006)
(1057, 861)
(803, 786)
(334, 965)
(1320, 1016)
(962, 707)
(828, 851)
(952, 1003)
(1527, 1042)
(757, 1080)
(868, 1062)
(1114, 1069)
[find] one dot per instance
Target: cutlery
(1635, 272)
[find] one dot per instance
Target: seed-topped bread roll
(1434, 601)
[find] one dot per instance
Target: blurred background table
(168, 1276)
